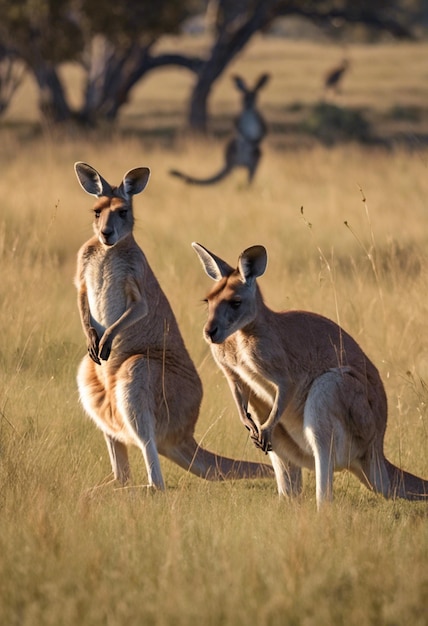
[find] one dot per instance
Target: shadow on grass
(298, 124)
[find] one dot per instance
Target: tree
(118, 50)
(42, 33)
(114, 42)
(236, 21)
(11, 75)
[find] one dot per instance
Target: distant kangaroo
(303, 387)
(244, 149)
(334, 77)
(138, 382)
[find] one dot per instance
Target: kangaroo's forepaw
(105, 347)
(262, 440)
(93, 345)
(94, 356)
(251, 426)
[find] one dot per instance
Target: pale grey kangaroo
(137, 382)
(244, 149)
(303, 387)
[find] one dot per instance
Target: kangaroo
(243, 150)
(333, 78)
(303, 387)
(137, 382)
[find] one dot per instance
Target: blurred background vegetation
(117, 45)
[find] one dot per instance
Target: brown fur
(138, 382)
(303, 386)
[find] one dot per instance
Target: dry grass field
(205, 553)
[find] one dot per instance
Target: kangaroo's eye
(123, 213)
(235, 304)
(97, 214)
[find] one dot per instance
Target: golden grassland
(215, 553)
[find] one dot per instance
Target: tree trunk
(52, 101)
(11, 75)
(198, 113)
(234, 30)
(112, 73)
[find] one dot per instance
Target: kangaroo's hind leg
(253, 164)
(324, 419)
(118, 454)
(287, 461)
(288, 476)
(96, 401)
(341, 430)
(135, 402)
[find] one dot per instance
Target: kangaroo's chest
(251, 126)
(245, 362)
(105, 279)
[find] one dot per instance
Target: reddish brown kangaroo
(303, 387)
(137, 382)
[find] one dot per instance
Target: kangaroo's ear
(134, 181)
(92, 182)
(240, 83)
(264, 78)
(215, 267)
(252, 263)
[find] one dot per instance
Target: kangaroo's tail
(205, 464)
(225, 171)
(406, 485)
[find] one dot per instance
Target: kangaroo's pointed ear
(92, 182)
(240, 83)
(252, 263)
(215, 267)
(134, 181)
(264, 78)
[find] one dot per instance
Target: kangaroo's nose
(107, 235)
(211, 333)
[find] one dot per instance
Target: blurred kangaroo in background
(303, 387)
(137, 382)
(333, 78)
(244, 149)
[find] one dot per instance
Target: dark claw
(93, 346)
(105, 352)
(251, 426)
(94, 355)
(262, 441)
(268, 447)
